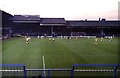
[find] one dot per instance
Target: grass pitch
(61, 53)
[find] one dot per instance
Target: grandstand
(34, 24)
(72, 57)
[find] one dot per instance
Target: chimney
(99, 19)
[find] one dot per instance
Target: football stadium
(35, 47)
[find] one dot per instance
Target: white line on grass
(44, 66)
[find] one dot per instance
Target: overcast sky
(68, 9)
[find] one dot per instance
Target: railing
(13, 70)
(77, 70)
(103, 70)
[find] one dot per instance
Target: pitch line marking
(44, 65)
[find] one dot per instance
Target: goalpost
(77, 34)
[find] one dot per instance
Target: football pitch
(62, 53)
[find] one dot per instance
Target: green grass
(60, 54)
